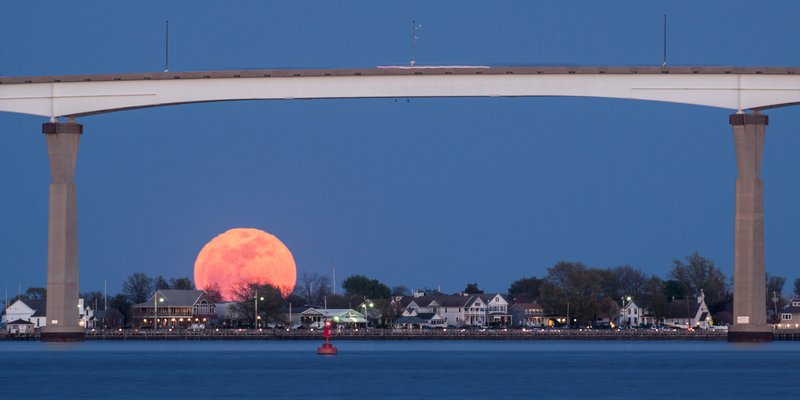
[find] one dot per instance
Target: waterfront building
(528, 315)
(316, 317)
(635, 313)
(690, 313)
(790, 315)
(175, 309)
(461, 310)
(28, 310)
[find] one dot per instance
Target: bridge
(747, 91)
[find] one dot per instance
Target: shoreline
(388, 334)
(383, 335)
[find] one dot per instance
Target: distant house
(411, 318)
(497, 307)
(459, 310)
(635, 313)
(86, 316)
(790, 315)
(174, 309)
(19, 327)
(688, 313)
(527, 315)
(29, 310)
(316, 317)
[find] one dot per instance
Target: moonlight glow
(245, 255)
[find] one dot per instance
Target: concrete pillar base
(63, 335)
(749, 292)
(62, 323)
(749, 337)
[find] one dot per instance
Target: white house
(19, 327)
(316, 317)
(461, 310)
(634, 314)
(411, 318)
(32, 311)
(498, 311)
(689, 313)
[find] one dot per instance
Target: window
(786, 317)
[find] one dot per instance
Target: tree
(797, 287)
(121, 304)
(472, 288)
(36, 293)
(360, 285)
(622, 281)
(313, 288)
(400, 290)
(525, 289)
(700, 273)
(137, 287)
(159, 283)
(213, 292)
(774, 287)
(269, 298)
(674, 290)
(654, 297)
(575, 290)
(181, 284)
(93, 299)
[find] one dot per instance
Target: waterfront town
(571, 296)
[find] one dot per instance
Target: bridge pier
(749, 298)
(62, 237)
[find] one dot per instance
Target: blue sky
(426, 193)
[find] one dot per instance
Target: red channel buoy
(327, 348)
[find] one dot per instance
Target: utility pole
(166, 50)
(414, 29)
(775, 301)
(665, 41)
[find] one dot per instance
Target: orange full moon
(245, 255)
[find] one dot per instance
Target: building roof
(683, 309)
(38, 305)
(175, 298)
(337, 314)
(427, 316)
(20, 322)
(528, 306)
(409, 320)
(453, 300)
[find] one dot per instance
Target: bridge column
(62, 236)
(749, 298)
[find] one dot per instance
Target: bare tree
(181, 284)
(313, 288)
(214, 292)
(269, 299)
(700, 273)
(138, 287)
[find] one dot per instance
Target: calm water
(412, 370)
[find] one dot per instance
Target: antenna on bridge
(166, 50)
(414, 28)
(664, 64)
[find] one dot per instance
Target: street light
(255, 302)
(366, 312)
(155, 309)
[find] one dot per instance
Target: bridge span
(745, 90)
